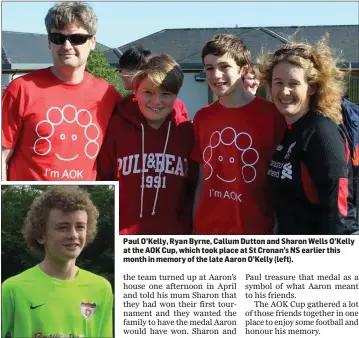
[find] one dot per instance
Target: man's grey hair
(71, 12)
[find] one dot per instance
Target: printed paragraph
(226, 250)
(280, 306)
(180, 304)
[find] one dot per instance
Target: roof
(185, 45)
(27, 49)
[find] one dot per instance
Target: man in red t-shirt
(133, 59)
(235, 138)
(54, 119)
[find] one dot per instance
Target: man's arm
(13, 107)
(198, 192)
(5, 156)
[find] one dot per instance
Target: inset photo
(57, 250)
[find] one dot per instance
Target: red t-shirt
(55, 129)
(234, 145)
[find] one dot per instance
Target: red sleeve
(196, 154)
(190, 182)
(180, 106)
(192, 165)
(190, 190)
(12, 111)
(106, 160)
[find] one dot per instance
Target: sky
(120, 23)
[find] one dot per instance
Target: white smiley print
(230, 160)
(68, 114)
(235, 139)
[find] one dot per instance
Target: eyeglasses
(75, 39)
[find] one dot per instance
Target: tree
(98, 66)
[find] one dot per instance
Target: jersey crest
(87, 309)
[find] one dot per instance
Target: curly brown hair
(321, 72)
(65, 198)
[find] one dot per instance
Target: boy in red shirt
(147, 149)
(54, 119)
(235, 138)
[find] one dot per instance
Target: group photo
(266, 142)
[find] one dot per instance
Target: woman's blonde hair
(321, 72)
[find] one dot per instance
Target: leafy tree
(98, 257)
(98, 66)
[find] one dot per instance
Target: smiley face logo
(231, 160)
(72, 125)
(239, 153)
(63, 138)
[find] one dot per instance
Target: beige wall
(194, 94)
(6, 78)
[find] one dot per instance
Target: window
(353, 88)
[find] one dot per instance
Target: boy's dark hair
(66, 198)
(221, 44)
(134, 58)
